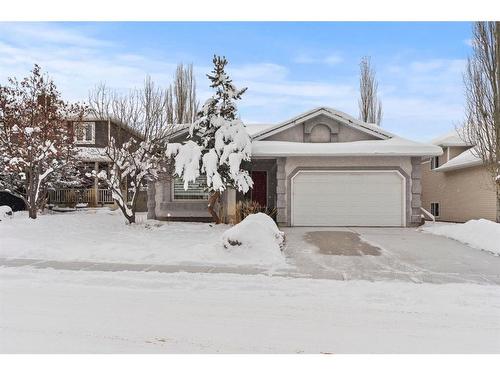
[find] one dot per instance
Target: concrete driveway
(405, 254)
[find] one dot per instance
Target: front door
(259, 190)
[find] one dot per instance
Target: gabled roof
(450, 139)
(342, 117)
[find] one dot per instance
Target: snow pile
(256, 234)
(482, 234)
(5, 212)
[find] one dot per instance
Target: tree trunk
(32, 211)
(211, 203)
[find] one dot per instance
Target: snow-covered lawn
(481, 234)
(111, 312)
(101, 235)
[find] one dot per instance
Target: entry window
(195, 191)
(84, 132)
(435, 209)
(434, 162)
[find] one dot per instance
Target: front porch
(93, 197)
(267, 186)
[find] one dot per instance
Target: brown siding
(462, 194)
(101, 133)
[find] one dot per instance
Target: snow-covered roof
(450, 139)
(253, 129)
(90, 154)
(466, 159)
(389, 147)
(342, 117)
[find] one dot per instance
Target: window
(195, 191)
(84, 132)
(435, 209)
(320, 134)
(434, 162)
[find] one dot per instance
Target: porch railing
(68, 196)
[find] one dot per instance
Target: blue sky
(288, 67)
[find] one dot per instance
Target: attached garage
(348, 198)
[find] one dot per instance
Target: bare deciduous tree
(482, 92)
(370, 106)
(182, 105)
(141, 157)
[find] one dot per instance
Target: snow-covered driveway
(406, 254)
(98, 240)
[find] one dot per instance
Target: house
(320, 168)
(456, 186)
(91, 137)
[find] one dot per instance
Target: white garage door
(348, 198)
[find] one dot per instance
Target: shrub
(245, 208)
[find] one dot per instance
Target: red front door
(259, 190)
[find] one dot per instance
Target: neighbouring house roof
(395, 146)
(120, 124)
(450, 139)
(92, 154)
(342, 117)
(466, 159)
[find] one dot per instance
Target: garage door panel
(360, 198)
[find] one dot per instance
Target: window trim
(174, 199)
(435, 204)
(84, 141)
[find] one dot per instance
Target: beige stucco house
(455, 186)
(320, 168)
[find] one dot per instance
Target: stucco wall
(301, 132)
(463, 194)
(288, 166)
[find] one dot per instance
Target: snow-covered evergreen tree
(218, 143)
(36, 141)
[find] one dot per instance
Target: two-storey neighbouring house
(456, 186)
(91, 137)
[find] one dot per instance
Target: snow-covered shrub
(5, 212)
(258, 232)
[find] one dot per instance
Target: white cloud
(331, 59)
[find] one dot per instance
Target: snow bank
(257, 234)
(5, 212)
(481, 234)
(100, 235)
